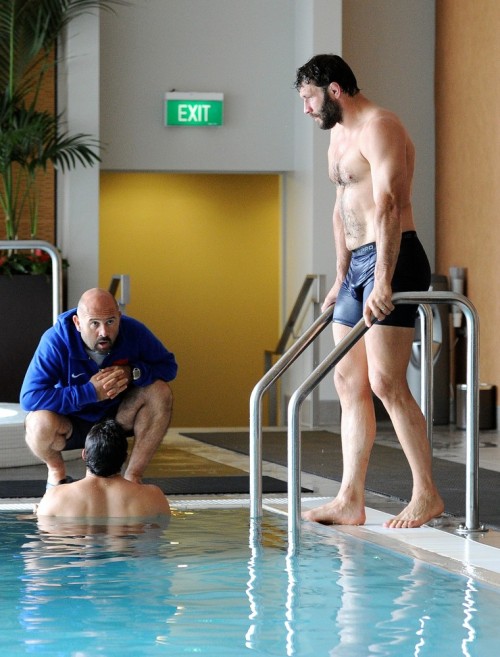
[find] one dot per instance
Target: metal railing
(427, 373)
(288, 333)
(258, 392)
(120, 282)
(294, 441)
(55, 256)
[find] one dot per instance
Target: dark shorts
(412, 274)
(82, 427)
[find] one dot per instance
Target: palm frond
(31, 139)
(29, 29)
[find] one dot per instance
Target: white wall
(78, 190)
(391, 51)
(309, 245)
(243, 49)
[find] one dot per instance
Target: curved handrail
(288, 332)
(289, 357)
(55, 256)
(427, 373)
(472, 404)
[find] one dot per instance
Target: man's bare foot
(417, 513)
(337, 512)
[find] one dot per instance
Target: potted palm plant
(31, 138)
(33, 141)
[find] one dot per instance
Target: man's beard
(330, 113)
(103, 346)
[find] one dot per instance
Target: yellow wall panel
(203, 255)
(468, 159)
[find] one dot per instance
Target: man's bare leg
(388, 350)
(358, 433)
(147, 412)
(46, 436)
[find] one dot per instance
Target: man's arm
(147, 353)
(45, 385)
(384, 146)
(342, 253)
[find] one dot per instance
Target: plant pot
(25, 312)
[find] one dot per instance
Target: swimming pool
(195, 586)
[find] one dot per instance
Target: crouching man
(95, 364)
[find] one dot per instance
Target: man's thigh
(154, 400)
(388, 350)
(132, 401)
(353, 366)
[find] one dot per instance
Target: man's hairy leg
(147, 412)
(358, 434)
(46, 436)
(389, 351)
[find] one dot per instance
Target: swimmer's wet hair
(105, 448)
(321, 70)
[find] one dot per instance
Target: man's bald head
(98, 319)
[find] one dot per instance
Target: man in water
(95, 364)
(371, 162)
(103, 492)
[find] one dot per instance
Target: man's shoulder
(64, 324)
(381, 133)
(66, 316)
(132, 324)
(132, 330)
(62, 336)
(379, 119)
(56, 497)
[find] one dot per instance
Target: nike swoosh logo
(75, 376)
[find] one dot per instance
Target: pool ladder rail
(424, 300)
(57, 267)
(118, 281)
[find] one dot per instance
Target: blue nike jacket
(58, 377)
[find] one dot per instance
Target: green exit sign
(194, 109)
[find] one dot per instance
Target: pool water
(195, 586)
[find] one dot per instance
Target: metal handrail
(288, 359)
(55, 256)
(427, 373)
(294, 315)
(267, 380)
(288, 332)
(472, 405)
(122, 282)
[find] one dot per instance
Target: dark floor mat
(388, 473)
(170, 486)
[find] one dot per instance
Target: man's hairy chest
(346, 164)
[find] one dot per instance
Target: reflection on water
(354, 599)
(196, 585)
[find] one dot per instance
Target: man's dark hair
(105, 448)
(320, 70)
